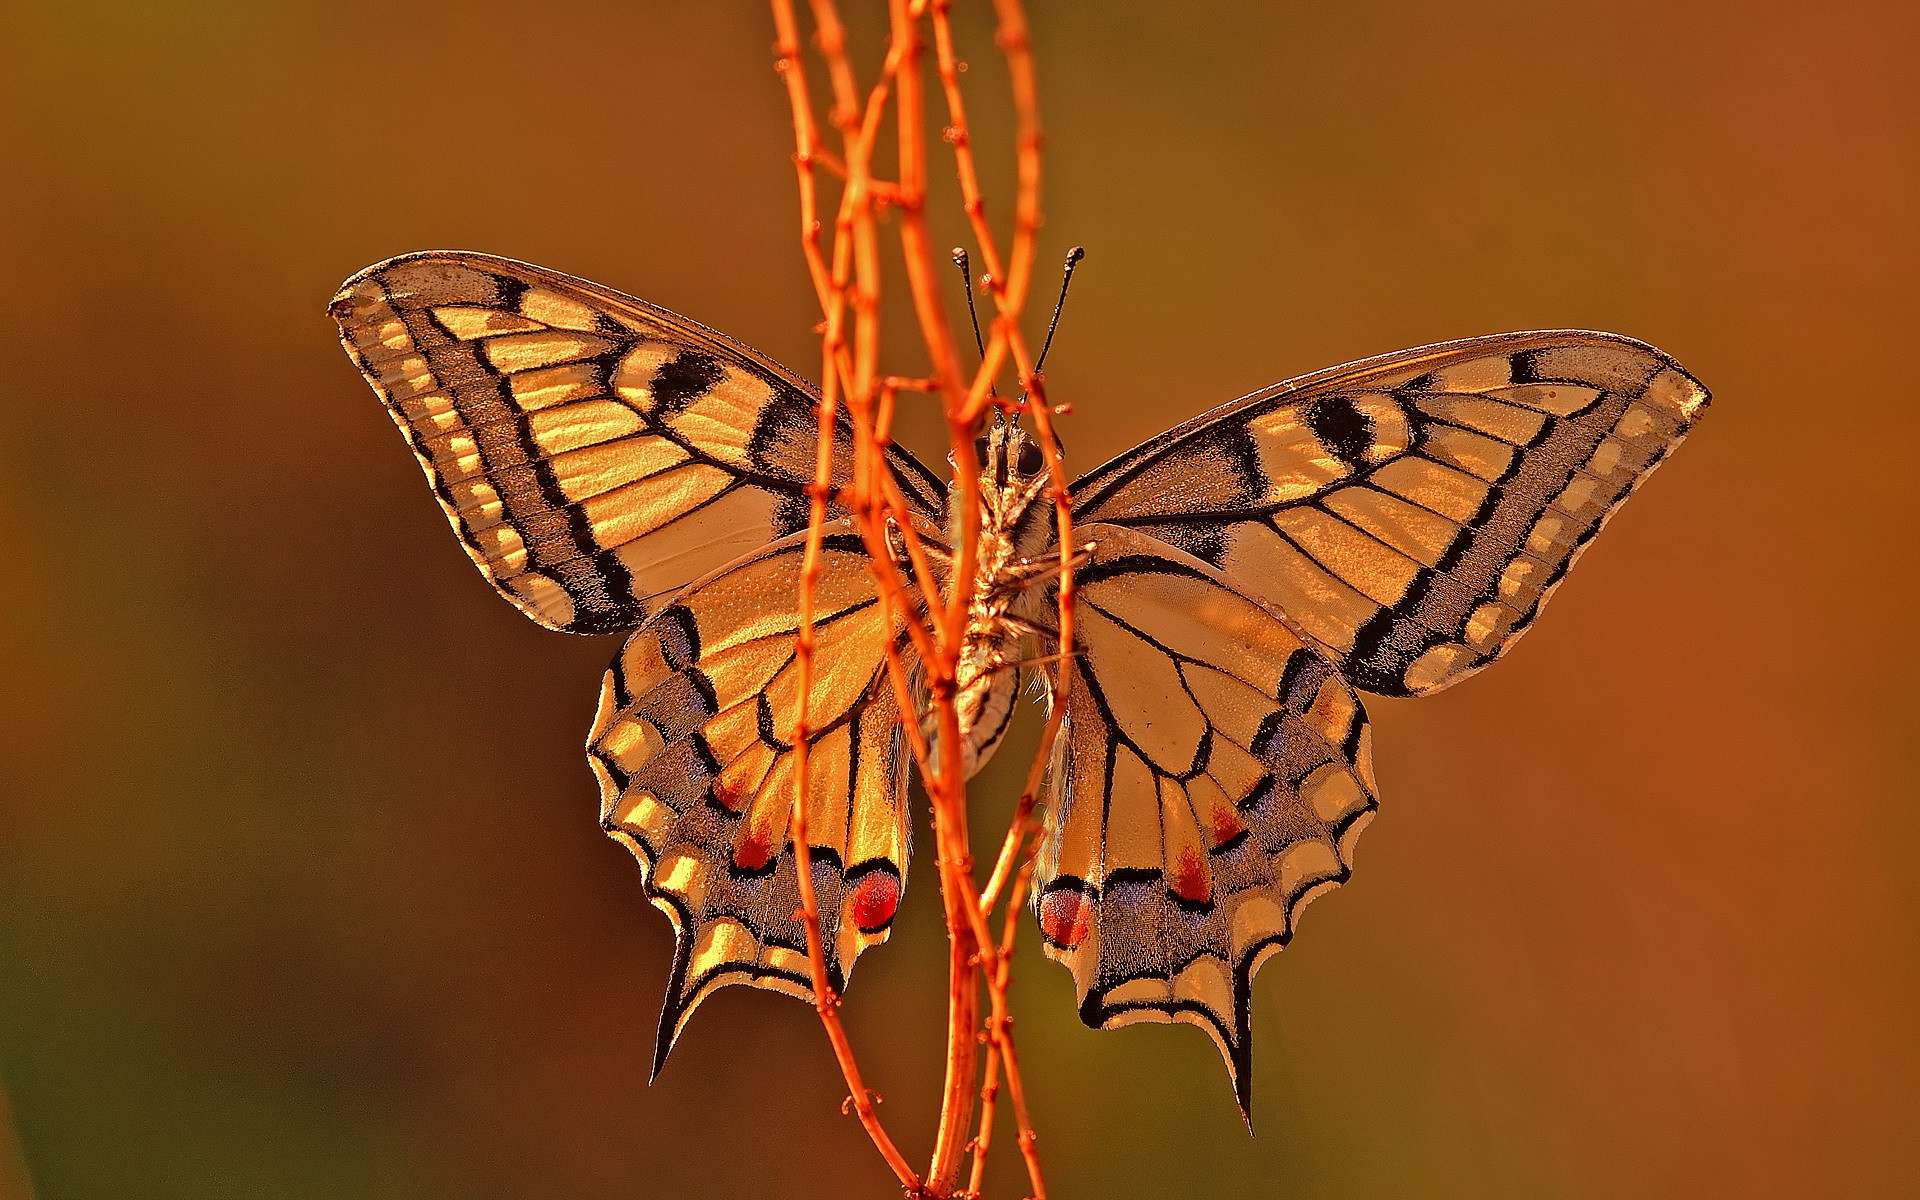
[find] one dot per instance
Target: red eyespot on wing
(1065, 915)
(875, 899)
(752, 853)
(1190, 878)
(1224, 824)
(728, 795)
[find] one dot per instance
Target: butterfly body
(1392, 525)
(1006, 610)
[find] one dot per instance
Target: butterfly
(1389, 526)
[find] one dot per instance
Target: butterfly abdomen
(986, 676)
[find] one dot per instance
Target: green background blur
(301, 890)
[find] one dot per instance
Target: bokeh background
(301, 890)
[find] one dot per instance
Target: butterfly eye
(1031, 460)
(980, 448)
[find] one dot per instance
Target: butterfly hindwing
(1212, 775)
(693, 748)
(591, 450)
(1412, 512)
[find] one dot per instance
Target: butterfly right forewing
(1411, 513)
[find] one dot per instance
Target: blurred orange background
(301, 890)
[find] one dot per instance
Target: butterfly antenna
(961, 261)
(1066, 277)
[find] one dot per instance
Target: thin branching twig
(927, 600)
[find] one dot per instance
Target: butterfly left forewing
(592, 451)
(1212, 776)
(693, 747)
(1413, 512)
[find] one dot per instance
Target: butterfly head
(1013, 478)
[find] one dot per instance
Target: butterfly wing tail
(693, 749)
(1214, 774)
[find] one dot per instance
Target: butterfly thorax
(1011, 556)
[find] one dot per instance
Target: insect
(1388, 526)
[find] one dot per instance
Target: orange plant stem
(989, 1090)
(956, 890)
(963, 996)
(806, 146)
(826, 1002)
(1008, 287)
(847, 285)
